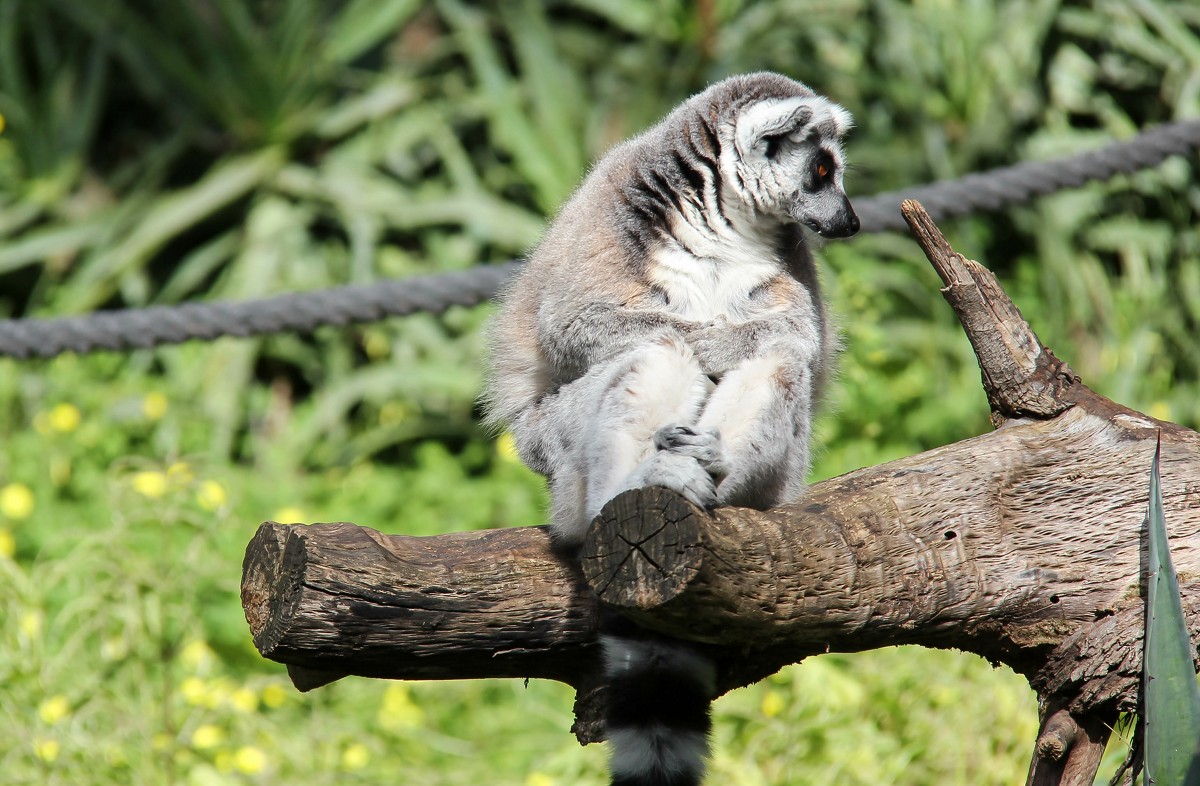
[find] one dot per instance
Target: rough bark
(339, 598)
(1024, 545)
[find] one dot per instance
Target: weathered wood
(1057, 735)
(1069, 747)
(336, 599)
(1021, 377)
(1100, 664)
(1003, 545)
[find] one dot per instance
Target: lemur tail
(658, 710)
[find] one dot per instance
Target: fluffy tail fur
(658, 710)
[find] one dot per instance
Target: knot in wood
(643, 549)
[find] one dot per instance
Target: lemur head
(788, 162)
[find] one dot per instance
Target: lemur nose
(847, 225)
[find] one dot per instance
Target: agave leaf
(1171, 693)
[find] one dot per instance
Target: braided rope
(997, 188)
(303, 311)
(294, 312)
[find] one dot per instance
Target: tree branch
(1020, 376)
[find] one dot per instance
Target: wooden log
(337, 599)
(1002, 545)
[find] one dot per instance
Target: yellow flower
(8, 544)
(250, 760)
(393, 413)
(65, 418)
(244, 700)
(46, 749)
(355, 757)
(288, 515)
(274, 695)
(376, 344)
(398, 711)
(506, 446)
(180, 474)
(211, 495)
(207, 736)
(220, 691)
(114, 648)
(196, 654)
(150, 483)
(16, 501)
(772, 704)
(54, 709)
(194, 691)
(154, 406)
(539, 779)
(31, 624)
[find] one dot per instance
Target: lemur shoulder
(669, 330)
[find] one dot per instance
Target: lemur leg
(548, 441)
(762, 410)
(655, 391)
(622, 425)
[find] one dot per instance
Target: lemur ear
(761, 126)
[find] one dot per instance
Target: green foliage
(1171, 695)
(153, 153)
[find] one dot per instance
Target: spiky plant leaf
(1172, 695)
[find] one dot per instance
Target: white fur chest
(719, 281)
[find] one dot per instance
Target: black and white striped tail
(658, 710)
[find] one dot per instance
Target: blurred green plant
(229, 149)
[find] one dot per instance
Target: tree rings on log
(645, 547)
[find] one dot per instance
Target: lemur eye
(822, 170)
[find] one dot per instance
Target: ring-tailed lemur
(669, 331)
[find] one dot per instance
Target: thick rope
(997, 188)
(296, 312)
(302, 312)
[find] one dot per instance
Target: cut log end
(272, 565)
(644, 548)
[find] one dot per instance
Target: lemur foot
(704, 446)
(678, 472)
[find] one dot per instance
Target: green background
(155, 153)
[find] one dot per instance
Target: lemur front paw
(704, 446)
(720, 345)
(680, 473)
